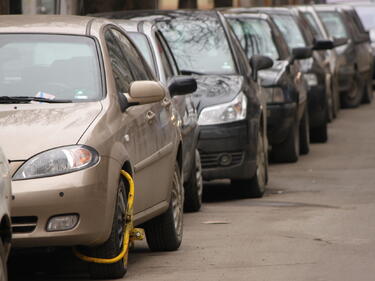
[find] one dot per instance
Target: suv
(81, 106)
(157, 54)
(5, 226)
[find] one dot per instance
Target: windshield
(141, 42)
(199, 45)
(333, 23)
(49, 66)
(366, 13)
(255, 36)
(290, 30)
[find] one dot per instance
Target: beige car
(5, 227)
(78, 105)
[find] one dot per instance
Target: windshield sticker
(45, 95)
(79, 94)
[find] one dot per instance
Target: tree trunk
(223, 3)
(187, 4)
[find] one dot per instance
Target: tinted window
(255, 37)
(137, 65)
(334, 24)
(120, 67)
(290, 30)
(199, 44)
(52, 66)
(366, 13)
(143, 46)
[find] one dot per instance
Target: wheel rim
(177, 203)
(121, 215)
(198, 175)
(261, 164)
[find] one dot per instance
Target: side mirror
(258, 62)
(337, 42)
(144, 92)
(182, 85)
(302, 53)
(323, 45)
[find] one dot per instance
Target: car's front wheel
(194, 186)
(114, 245)
(288, 151)
(164, 233)
(354, 97)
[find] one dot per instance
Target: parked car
(355, 76)
(295, 32)
(83, 97)
(366, 12)
(287, 91)
(232, 113)
(5, 225)
(153, 47)
(331, 58)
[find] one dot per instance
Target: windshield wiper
(25, 99)
(189, 72)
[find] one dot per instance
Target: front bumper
(88, 193)
(236, 141)
(317, 104)
(280, 119)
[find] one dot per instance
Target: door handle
(166, 102)
(150, 116)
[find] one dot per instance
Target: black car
(355, 76)
(285, 87)
(153, 47)
(297, 34)
(232, 114)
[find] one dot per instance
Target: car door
(141, 126)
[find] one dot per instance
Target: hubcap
(177, 202)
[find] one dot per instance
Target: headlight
(57, 161)
(224, 113)
(311, 79)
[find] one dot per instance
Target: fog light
(225, 159)
(63, 222)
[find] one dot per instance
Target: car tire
(353, 98)
(164, 233)
(194, 186)
(113, 246)
(368, 94)
(336, 105)
(3, 263)
(319, 134)
(304, 134)
(287, 151)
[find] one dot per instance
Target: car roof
(55, 24)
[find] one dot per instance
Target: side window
(138, 66)
(120, 68)
(164, 59)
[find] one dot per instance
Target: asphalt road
(316, 222)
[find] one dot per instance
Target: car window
(142, 43)
(255, 36)
(290, 30)
(164, 59)
(138, 66)
(199, 44)
(51, 66)
(313, 24)
(121, 70)
(334, 24)
(366, 14)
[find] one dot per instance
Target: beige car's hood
(28, 129)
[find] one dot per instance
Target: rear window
(51, 66)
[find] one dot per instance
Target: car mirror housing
(323, 45)
(182, 85)
(258, 62)
(337, 42)
(302, 53)
(145, 92)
